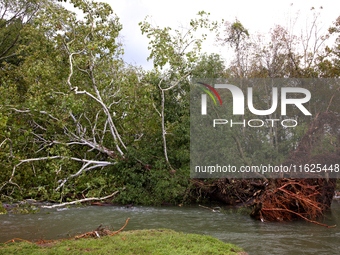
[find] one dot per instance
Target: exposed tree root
(299, 195)
(293, 199)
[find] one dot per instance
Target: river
(255, 237)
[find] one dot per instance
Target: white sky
(255, 15)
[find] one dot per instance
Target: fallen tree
(298, 195)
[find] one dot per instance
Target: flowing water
(253, 236)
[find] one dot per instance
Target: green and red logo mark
(208, 92)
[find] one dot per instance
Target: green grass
(161, 241)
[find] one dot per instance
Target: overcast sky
(255, 15)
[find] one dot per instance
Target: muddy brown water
(253, 236)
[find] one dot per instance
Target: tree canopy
(75, 120)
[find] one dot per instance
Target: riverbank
(160, 241)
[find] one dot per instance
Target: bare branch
(98, 163)
(71, 68)
(81, 200)
(11, 146)
(112, 127)
(4, 141)
(104, 131)
(162, 114)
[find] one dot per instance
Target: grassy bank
(130, 242)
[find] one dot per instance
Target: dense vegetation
(76, 121)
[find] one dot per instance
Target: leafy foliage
(76, 121)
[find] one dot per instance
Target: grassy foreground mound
(161, 241)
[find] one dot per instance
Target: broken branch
(80, 201)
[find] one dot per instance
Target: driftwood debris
(98, 232)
